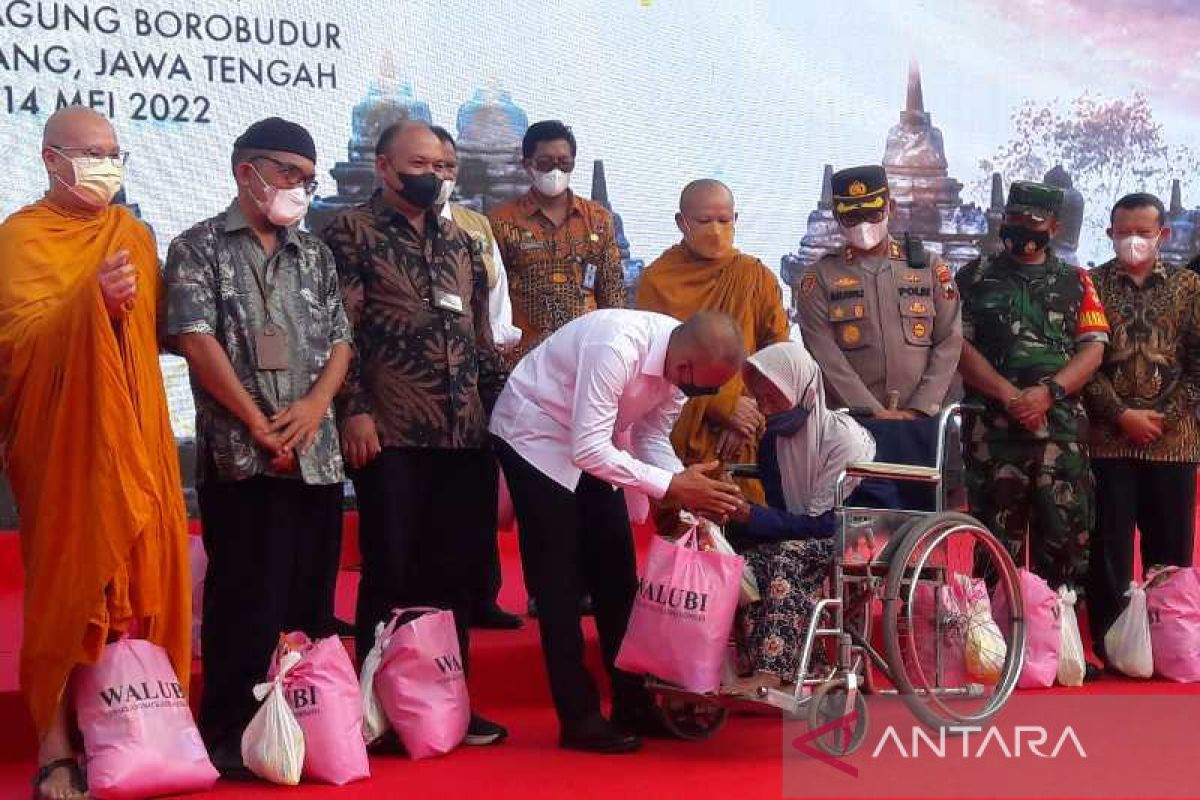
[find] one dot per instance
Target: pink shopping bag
(1043, 629)
(682, 615)
(421, 684)
(138, 731)
(1173, 605)
(322, 692)
(937, 609)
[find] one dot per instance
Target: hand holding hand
(1141, 426)
(694, 491)
(746, 419)
(297, 425)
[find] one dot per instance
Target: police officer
(881, 318)
(1035, 331)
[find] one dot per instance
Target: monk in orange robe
(86, 434)
(705, 272)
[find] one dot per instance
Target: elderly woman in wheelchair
(788, 543)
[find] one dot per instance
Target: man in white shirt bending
(610, 373)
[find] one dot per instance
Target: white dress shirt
(504, 333)
(596, 380)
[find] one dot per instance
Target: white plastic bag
(1127, 642)
(273, 744)
(749, 590)
(1071, 662)
(375, 722)
(985, 648)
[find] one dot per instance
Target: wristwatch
(1057, 392)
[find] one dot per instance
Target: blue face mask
(788, 423)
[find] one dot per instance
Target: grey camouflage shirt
(211, 289)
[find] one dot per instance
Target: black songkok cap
(275, 133)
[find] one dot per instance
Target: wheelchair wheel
(827, 704)
(690, 720)
(946, 565)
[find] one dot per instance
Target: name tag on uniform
(271, 347)
(447, 301)
(589, 276)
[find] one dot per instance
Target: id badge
(589, 276)
(271, 347)
(447, 301)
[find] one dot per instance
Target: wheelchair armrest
(744, 470)
(902, 472)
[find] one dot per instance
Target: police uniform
(1028, 322)
(880, 326)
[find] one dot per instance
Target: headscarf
(811, 459)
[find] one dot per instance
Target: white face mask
(283, 207)
(97, 180)
(866, 235)
(552, 183)
(1136, 250)
(445, 192)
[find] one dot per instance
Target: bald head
(704, 193)
(404, 134)
(706, 351)
(76, 126)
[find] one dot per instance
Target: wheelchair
(895, 572)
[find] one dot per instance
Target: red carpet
(742, 761)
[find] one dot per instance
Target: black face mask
(419, 190)
(692, 390)
(1022, 241)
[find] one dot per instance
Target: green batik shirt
(1028, 322)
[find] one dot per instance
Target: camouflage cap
(859, 188)
(1035, 199)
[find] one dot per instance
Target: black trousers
(425, 517)
(489, 577)
(574, 543)
(273, 547)
(1160, 500)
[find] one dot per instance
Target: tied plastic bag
(749, 587)
(1043, 629)
(273, 744)
(1072, 664)
(375, 722)
(682, 615)
(138, 731)
(421, 683)
(1127, 642)
(985, 648)
(933, 660)
(198, 561)
(323, 694)
(1173, 603)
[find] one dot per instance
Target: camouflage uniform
(1028, 321)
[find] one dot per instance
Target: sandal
(46, 770)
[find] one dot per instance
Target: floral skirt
(790, 578)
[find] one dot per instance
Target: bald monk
(705, 272)
(84, 423)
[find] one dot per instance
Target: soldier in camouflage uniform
(1034, 332)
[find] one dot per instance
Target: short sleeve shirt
(212, 289)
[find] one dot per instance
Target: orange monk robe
(90, 453)
(680, 284)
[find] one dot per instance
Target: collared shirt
(1153, 362)
(1028, 321)
(880, 327)
(425, 367)
(557, 272)
(500, 313)
(212, 289)
(597, 381)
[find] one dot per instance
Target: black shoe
(531, 609)
(1091, 672)
(641, 720)
(227, 758)
(585, 606)
(342, 629)
(597, 735)
(482, 732)
(495, 618)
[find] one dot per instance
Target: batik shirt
(212, 289)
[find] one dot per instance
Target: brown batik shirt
(425, 367)
(1152, 362)
(557, 272)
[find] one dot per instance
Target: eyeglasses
(857, 217)
(292, 175)
(119, 156)
(545, 164)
